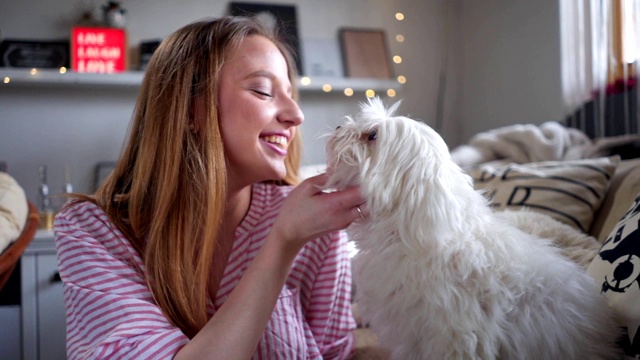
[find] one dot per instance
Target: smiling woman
(198, 242)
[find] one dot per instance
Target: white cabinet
(9, 332)
(43, 311)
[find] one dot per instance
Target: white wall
(510, 71)
(501, 59)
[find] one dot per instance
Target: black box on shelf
(34, 54)
(147, 48)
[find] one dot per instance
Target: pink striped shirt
(111, 313)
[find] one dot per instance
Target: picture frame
(365, 53)
(283, 17)
(322, 57)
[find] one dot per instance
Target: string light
(370, 93)
(34, 71)
(326, 88)
(7, 79)
(305, 81)
(397, 58)
(63, 70)
(348, 91)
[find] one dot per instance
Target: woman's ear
(197, 114)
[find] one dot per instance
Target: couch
(577, 181)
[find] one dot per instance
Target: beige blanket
(521, 144)
(573, 243)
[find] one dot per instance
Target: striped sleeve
(328, 302)
(109, 308)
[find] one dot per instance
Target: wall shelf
(132, 79)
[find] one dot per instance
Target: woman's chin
(278, 172)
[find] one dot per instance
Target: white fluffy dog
(438, 274)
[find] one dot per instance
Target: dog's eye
(338, 127)
(373, 135)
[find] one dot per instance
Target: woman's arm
(236, 328)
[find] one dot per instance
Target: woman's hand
(308, 212)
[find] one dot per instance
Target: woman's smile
(278, 143)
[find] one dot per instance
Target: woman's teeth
(281, 141)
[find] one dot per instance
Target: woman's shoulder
(80, 210)
(85, 215)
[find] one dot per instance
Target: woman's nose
(291, 113)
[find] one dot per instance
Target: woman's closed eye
(262, 93)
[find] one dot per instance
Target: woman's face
(258, 116)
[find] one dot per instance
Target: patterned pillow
(617, 268)
(569, 191)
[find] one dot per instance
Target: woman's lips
(278, 143)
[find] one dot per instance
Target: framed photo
(365, 53)
(283, 17)
(322, 57)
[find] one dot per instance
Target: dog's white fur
(438, 274)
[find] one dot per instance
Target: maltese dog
(438, 274)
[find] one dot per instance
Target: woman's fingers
(310, 212)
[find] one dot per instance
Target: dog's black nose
(338, 127)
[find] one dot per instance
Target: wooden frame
(365, 53)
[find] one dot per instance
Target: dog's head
(402, 165)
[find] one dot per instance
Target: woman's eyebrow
(260, 73)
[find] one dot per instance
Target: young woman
(197, 245)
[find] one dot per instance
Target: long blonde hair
(168, 191)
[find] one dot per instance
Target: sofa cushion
(617, 269)
(569, 191)
(625, 183)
